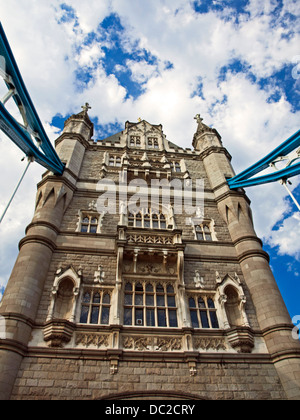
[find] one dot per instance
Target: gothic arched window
(150, 305)
(147, 219)
(89, 224)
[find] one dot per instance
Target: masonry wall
(88, 379)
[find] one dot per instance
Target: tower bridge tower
(148, 297)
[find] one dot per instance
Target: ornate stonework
(158, 300)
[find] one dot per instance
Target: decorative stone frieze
(92, 339)
(206, 343)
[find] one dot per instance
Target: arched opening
(232, 307)
(153, 395)
(65, 300)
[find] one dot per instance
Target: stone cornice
(253, 253)
(73, 136)
(37, 239)
(215, 149)
(44, 224)
(134, 356)
(230, 193)
(248, 238)
(57, 179)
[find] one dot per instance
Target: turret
(73, 142)
(21, 299)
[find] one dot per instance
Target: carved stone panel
(156, 344)
(93, 340)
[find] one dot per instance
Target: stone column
(22, 296)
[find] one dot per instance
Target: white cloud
(90, 54)
(141, 71)
(287, 236)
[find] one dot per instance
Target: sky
(237, 63)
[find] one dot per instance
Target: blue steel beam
(286, 173)
(18, 134)
(244, 178)
(23, 140)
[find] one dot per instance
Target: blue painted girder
(23, 140)
(18, 134)
(244, 179)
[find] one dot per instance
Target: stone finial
(199, 119)
(86, 108)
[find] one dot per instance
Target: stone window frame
(148, 219)
(115, 161)
(150, 304)
(205, 231)
(176, 166)
(95, 308)
(135, 140)
(87, 218)
(205, 312)
(153, 143)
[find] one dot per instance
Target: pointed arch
(232, 300)
(64, 295)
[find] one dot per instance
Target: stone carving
(114, 367)
(152, 343)
(207, 343)
(98, 340)
(193, 368)
(57, 333)
(99, 275)
(150, 239)
(93, 206)
(151, 269)
(198, 280)
(241, 339)
(167, 344)
(136, 343)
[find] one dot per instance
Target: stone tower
(141, 276)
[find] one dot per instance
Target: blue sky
(235, 62)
